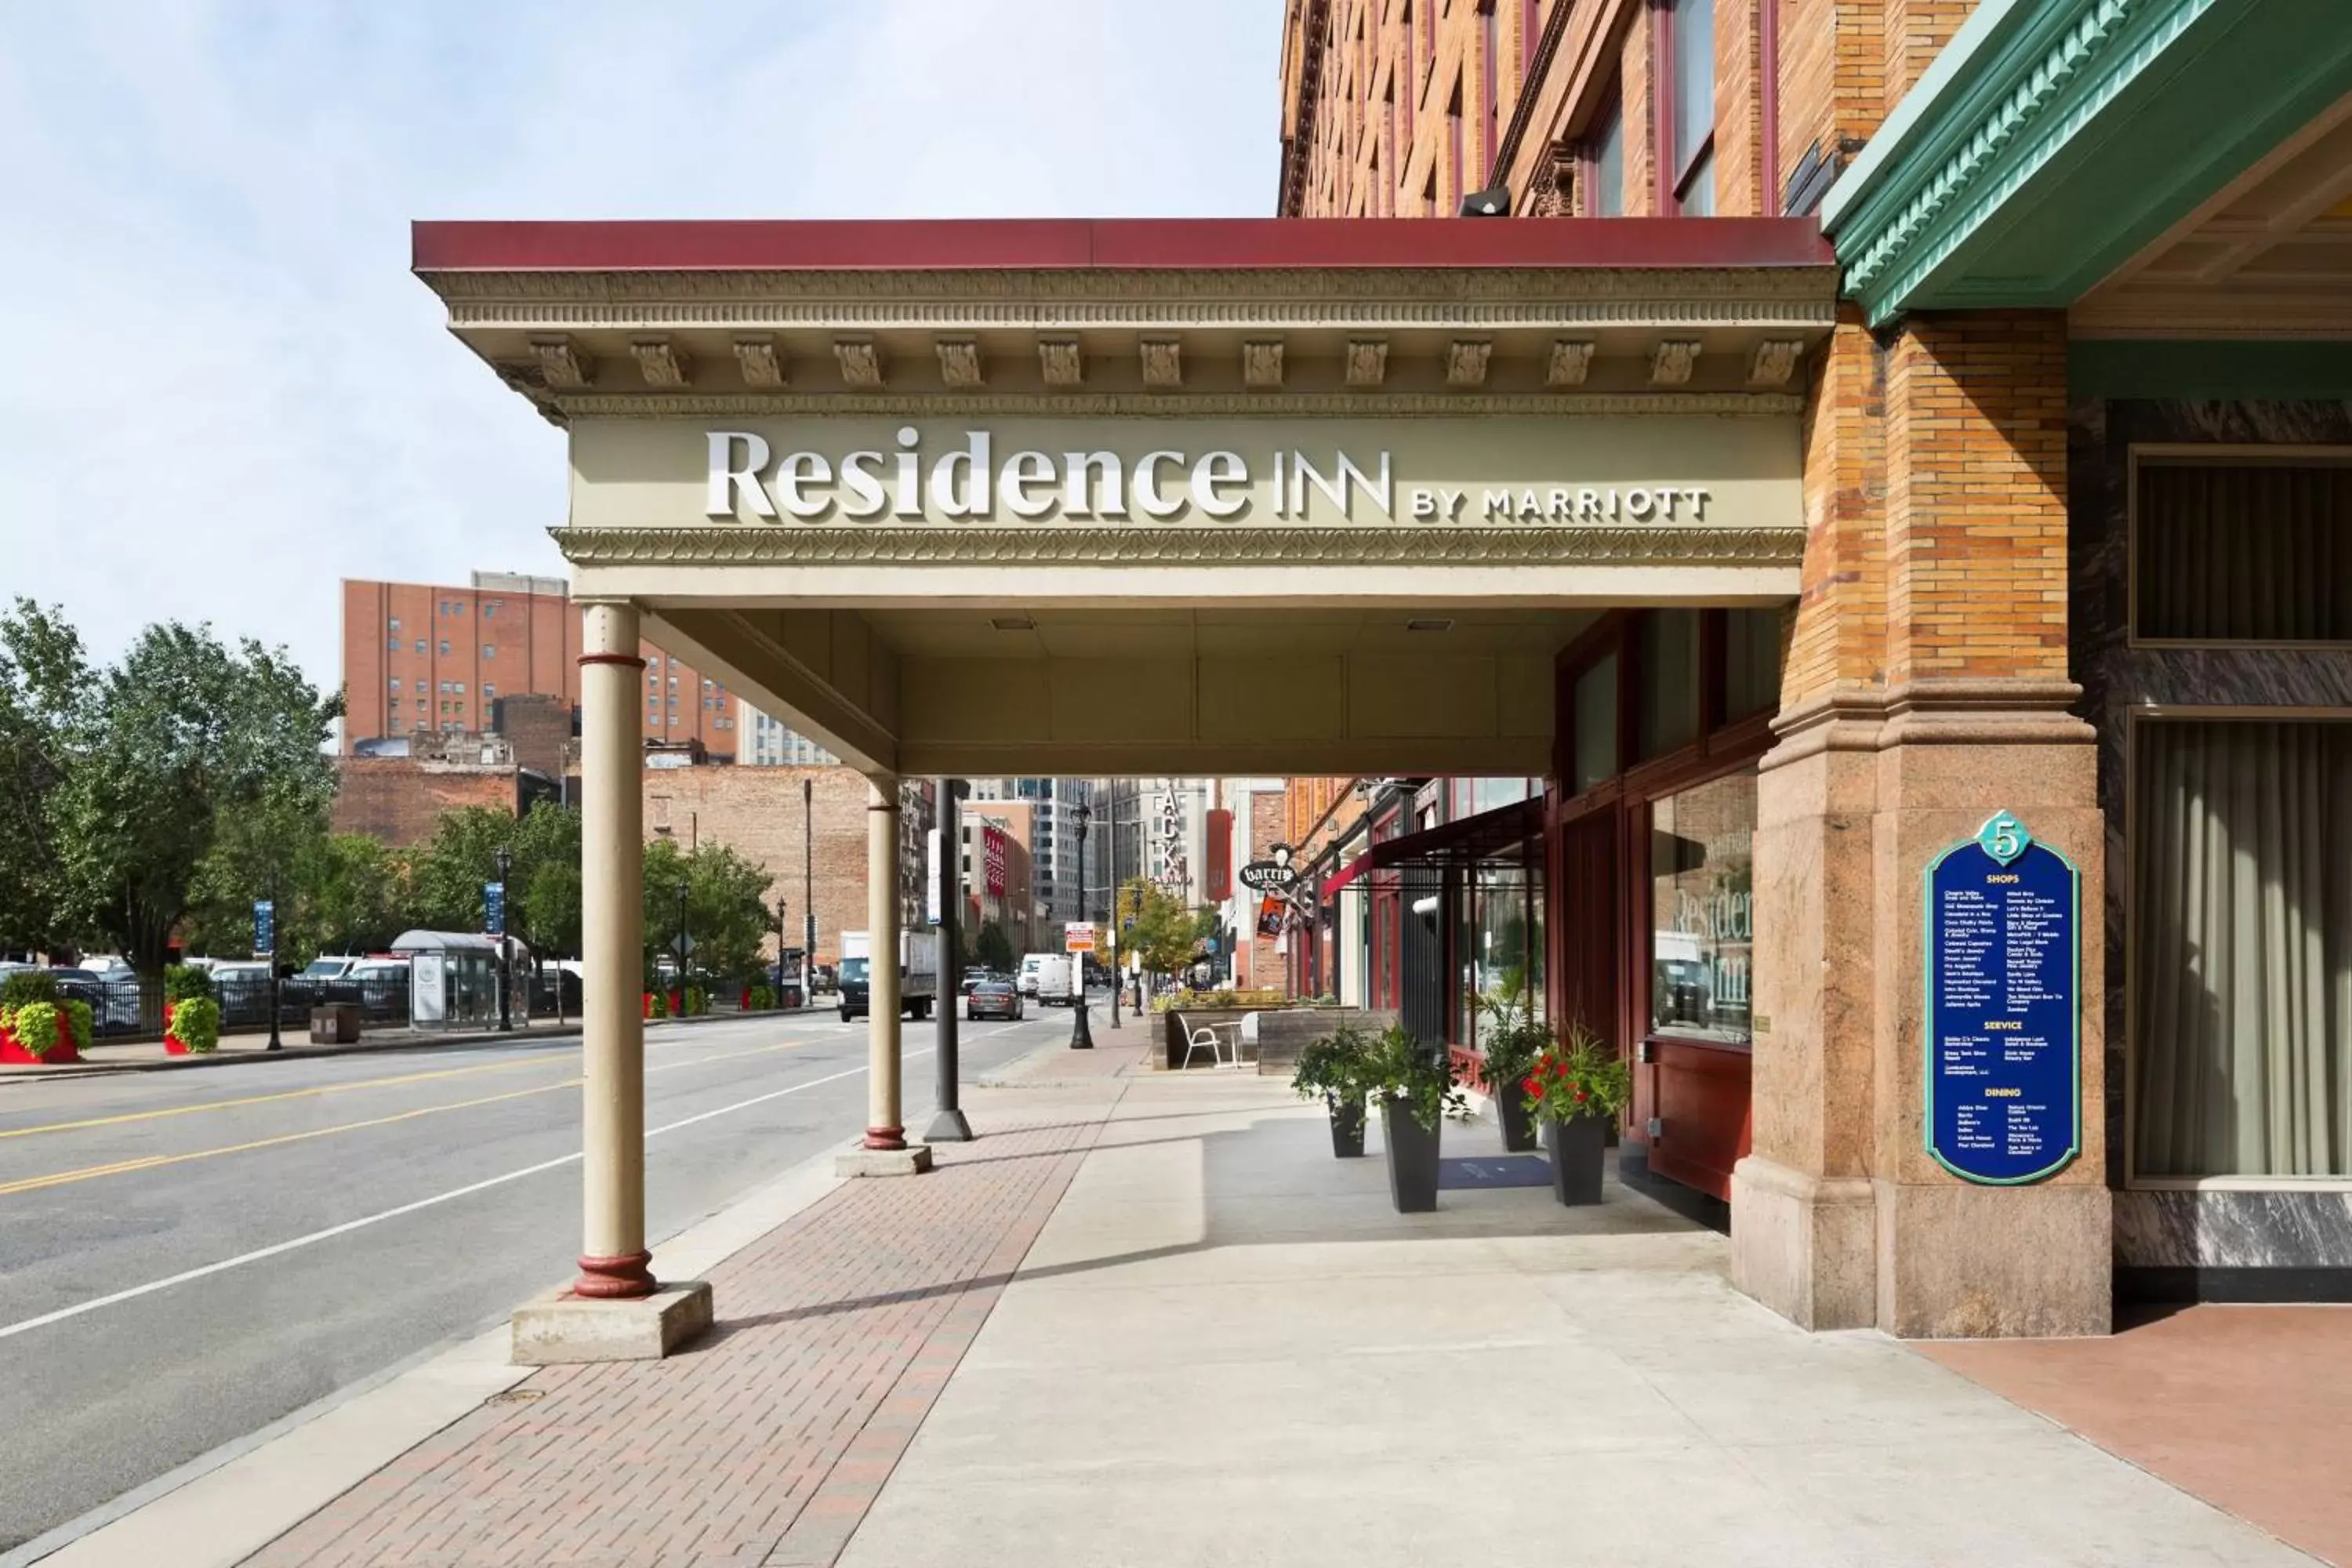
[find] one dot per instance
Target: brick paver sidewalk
(765, 1443)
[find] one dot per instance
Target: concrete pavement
(1221, 1345)
(191, 1256)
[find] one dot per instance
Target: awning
(1468, 841)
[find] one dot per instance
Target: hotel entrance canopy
(971, 497)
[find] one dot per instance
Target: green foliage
(183, 747)
(186, 981)
(35, 1025)
(1512, 1038)
(1578, 1076)
(196, 1024)
(727, 916)
(1419, 1078)
(762, 998)
(993, 948)
(1337, 1066)
(30, 986)
(1166, 935)
(45, 685)
(657, 1005)
(83, 1018)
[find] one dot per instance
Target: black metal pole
(808, 892)
(1110, 915)
(506, 947)
(276, 941)
(680, 1009)
(949, 1125)
(1082, 1037)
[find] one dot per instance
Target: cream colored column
(884, 1127)
(614, 1261)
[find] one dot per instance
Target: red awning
(1466, 842)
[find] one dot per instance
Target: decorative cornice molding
(1367, 361)
(1163, 363)
(1359, 403)
(1089, 545)
(959, 363)
(1262, 365)
(761, 363)
(2013, 102)
(1672, 361)
(860, 362)
(1466, 362)
(559, 366)
(1319, 295)
(1061, 362)
(1570, 362)
(659, 362)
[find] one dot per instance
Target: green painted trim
(2020, 89)
(1927, 1018)
(2208, 368)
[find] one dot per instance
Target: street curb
(222, 1507)
(67, 1071)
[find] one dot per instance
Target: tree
(1166, 935)
(180, 736)
(727, 915)
(44, 682)
(994, 949)
(451, 869)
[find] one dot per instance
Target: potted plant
(1417, 1092)
(1513, 1041)
(1337, 1066)
(1577, 1088)
(191, 1017)
(34, 1026)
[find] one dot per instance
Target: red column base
(615, 1278)
(886, 1138)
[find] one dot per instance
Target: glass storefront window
(1752, 662)
(1501, 944)
(1701, 902)
(1595, 705)
(1668, 717)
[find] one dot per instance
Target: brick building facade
(401, 799)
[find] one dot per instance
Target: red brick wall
(756, 812)
(399, 799)
(1268, 813)
(1841, 612)
(1915, 31)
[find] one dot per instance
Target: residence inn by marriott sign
(1639, 473)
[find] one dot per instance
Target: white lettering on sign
(972, 481)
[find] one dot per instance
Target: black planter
(1347, 1129)
(1412, 1159)
(1576, 1148)
(1519, 1125)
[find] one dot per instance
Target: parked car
(994, 999)
(242, 989)
(380, 987)
(113, 1004)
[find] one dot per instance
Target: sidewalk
(1148, 1318)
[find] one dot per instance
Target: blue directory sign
(494, 909)
(264, 928)
(2004, 1007)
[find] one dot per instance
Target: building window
(488, 690)
(491, 609)
(1453, 164)
(461, 689)
(1666, 714)
(1752, 662)
(1595, 743)
(1686, 34)
(1606, 164)
(1490, 69)
(490, 651)
(2241, 966)
(392, 646)
(1701, 900)
(444, 645)
(420, 644)
(395, 624)
(422, 688)
(395, 685)
(2240, 551)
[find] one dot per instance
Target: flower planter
(1519, 1122)
(62, 1052)
(1412, 1159)
(1347, 1129)
(1576, 1147)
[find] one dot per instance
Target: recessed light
(1429, 624)
(1012, 623)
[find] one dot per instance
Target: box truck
(918, 973)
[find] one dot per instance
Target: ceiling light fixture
(1429, 624)
(1012, 623)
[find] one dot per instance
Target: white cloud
(227, 394)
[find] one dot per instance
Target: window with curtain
(2242, 552)
(1690, 108)
(2242, 947)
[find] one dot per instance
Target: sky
(226, 392)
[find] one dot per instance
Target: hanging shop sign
(1274, 874)
(2004, 1007)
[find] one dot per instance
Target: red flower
(1580, 1097)
(1533, 1086)
(1560, 1069)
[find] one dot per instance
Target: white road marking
(277, 1248)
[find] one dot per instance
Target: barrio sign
(969, 480)
(1635, 471)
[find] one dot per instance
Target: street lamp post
(950, 1125)
(680, 1009)
(506, 944)
(275, 944)
(1082, 1036)
(783, 941)
(808, 892)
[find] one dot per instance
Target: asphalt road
(137, 1331)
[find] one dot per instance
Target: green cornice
(2208, 368)
(2052, 139)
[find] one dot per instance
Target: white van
(1046, 977)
